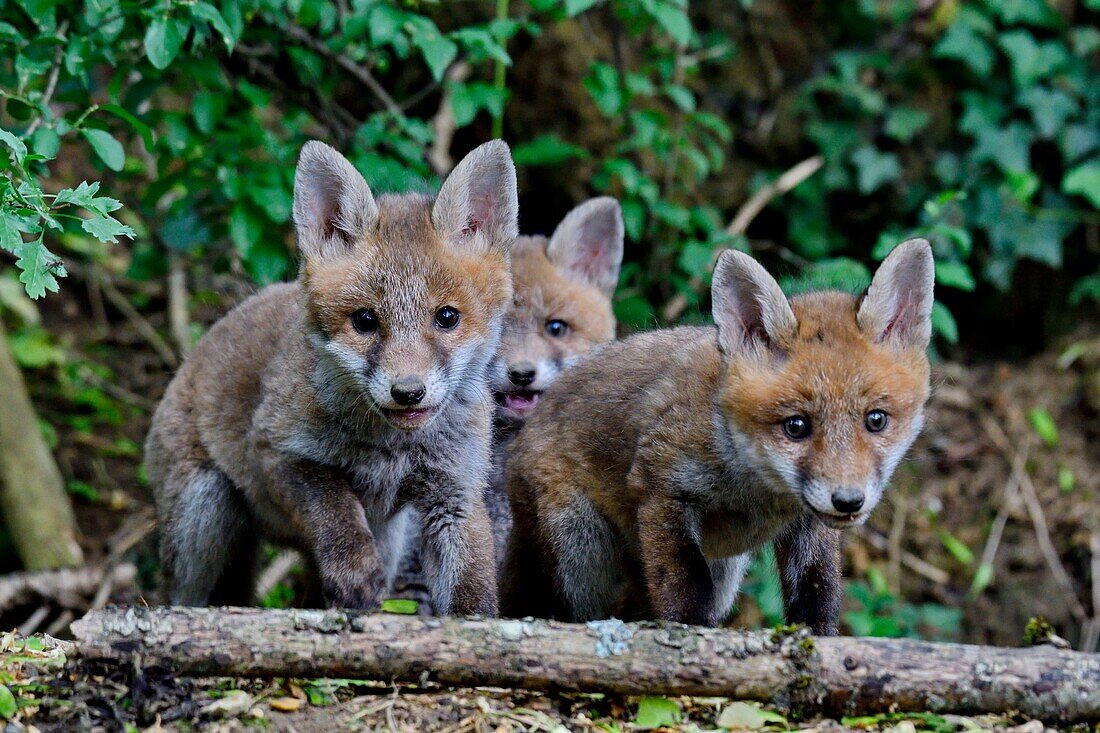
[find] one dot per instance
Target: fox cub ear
(477, 205)
(898, 305)
(333, 205)
(749, 308)
(589, 243)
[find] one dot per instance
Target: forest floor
(994, 520)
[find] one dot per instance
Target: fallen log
(838, 676)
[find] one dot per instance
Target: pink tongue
(520, 402)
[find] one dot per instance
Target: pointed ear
(589, 243)
(333, 205)
(750, 309)
(898, 306)
(477, 205)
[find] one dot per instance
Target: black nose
(847, 501)
(522, 374)
(407, 391)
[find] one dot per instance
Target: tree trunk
(32, 494)
(834, 675)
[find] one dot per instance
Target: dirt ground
(992, 521)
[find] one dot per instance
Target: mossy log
(789, 668)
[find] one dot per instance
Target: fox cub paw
(362, 592)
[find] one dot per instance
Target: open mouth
(840, 521)
(519, 401)
(408, 418)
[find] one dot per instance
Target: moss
(1038, 631)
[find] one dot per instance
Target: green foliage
(877, 612)
(657, 712)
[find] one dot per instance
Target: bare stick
(70, 587)
(744, 216)
(830, 674)
(179, 321)
(51, 82)
(444, 124)
(126, 308)
(908, 559)
(274, 573)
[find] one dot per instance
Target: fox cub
(657, 465)
(560, 310)
(320, 414)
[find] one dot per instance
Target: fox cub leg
(808, 557)
(588, 556)
(678, 577)
(208, 546)
(457, 556)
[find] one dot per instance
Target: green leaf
(108, 149)
(962, 42)
(695, 258)
(39, 267)
(15, 144)
(106, 228)
(438, 52)
(546, 150)
(34, 348)
(1084, 180)
(208, 13)
(681, 96)
(657, 712)
(1067, 479)
(954, 274)
(46, 142)
(602, 82)
(944, 323)
(1031, 60)
(903, 123)
(400, 605)
(982, 578)
(574, 8)
(140, 127)
(163, 40)
(674, 20)
(8, 706)
(1043, 424)
(10, 238)
(743, 716)
(875, 168)
(1050, 108)
(955, 546)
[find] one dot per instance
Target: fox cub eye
(364, 321)
(797, 427)
(557, 328)
(876, 421)
(446, 317)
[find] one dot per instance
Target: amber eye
(797, 427)
(876, 421)
(364, 321)
(557, 328)
(446, 317)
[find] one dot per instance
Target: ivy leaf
(163, 40)
(962, 42)
(1084, 180)
(875, 168)
(1030, 59)
(106, 147)
(602, 82)
(657, 712)
(39, 267)
(546, 150)
(1009, 148)
(1050, 108)
(106, 228)
(903, 123)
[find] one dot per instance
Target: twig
(893, 553)
(33, 621)
(741, 220)
(65, 588)
(51, 82)
(444, 124)
(274, 573)
(359, 72)
(119, 301)
(993, 542)
(61, 623)
(1092, 635)
(908, 559)
(178, 317)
